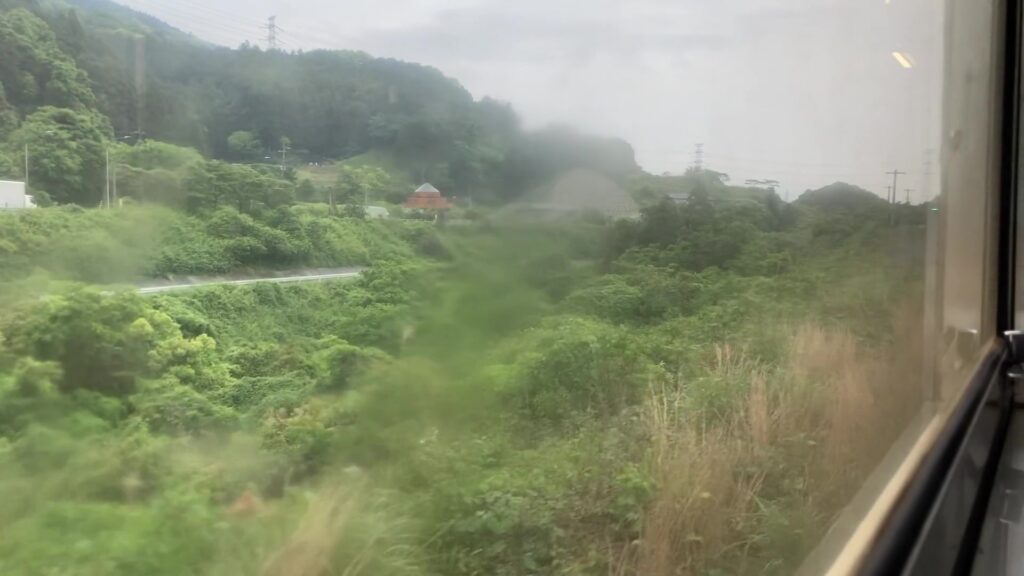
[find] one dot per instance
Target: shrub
(171, 408)
(267, 393)
(576, 365)
(337, 362)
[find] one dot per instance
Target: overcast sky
(806, 92)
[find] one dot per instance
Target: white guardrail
(339, 275)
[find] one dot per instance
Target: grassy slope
(493, 425)
(107, 247)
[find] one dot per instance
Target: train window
(960, 303)
(469, 287)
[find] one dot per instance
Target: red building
(426, 197)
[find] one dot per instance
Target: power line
(792, 171)
(218, 23)
(775, 166)
(314, 41)
(205, 15)
(745, 159)
(716, 156)
(224, 14)
(323, 36)
(194, 22)
(785, 171)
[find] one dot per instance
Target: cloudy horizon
(804, 92)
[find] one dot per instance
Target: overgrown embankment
(698, 391)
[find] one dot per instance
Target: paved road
(319, 275)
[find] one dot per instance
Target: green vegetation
(69, 243)
(543, 399)
(697, 391)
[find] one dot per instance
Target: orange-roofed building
(426, 197)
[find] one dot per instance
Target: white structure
(13, 197)
(579, 191)
(377, 212)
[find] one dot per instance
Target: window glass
(470, 287)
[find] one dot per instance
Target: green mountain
(841, 196)
(151, 79)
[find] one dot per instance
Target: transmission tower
(272, 30)
(698, 158)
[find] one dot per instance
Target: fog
(805, 92)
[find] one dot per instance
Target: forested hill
(841, 196)
(144, 75)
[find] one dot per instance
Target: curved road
(292, 277)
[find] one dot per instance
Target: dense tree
(153, 171)
(307, 191)
(844, 197)
(8, 115)
(90, 336)
(215, 184)
(67, 150)
(158, 186)
(467, 167)
(245, 146)
(9, 169)
(33, 69)
(152, 155)
(661, 224)
(356, 184)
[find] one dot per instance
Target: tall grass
(752, 493)
(344, 528)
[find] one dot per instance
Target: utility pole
(140, 85)
(114, 178)
(284, 152)
(895, 175)
(927, 175)
(272, 30)
(698, 157)
(106, 194)
(908, 191)
(26, 169)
